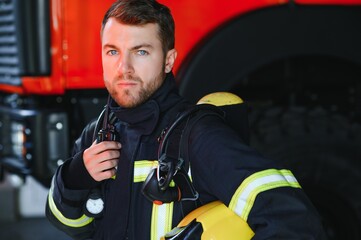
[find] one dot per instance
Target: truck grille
(9, 58)
(24, 40)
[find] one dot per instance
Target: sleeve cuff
(75, 176)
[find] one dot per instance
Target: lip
(127, 83)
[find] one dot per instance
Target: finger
(101, 175)
(96, 165)
(107, 174)
(107, 145)
(109, 164)
(97, 148)
(104, 174)
(94, 150)
(108, 155)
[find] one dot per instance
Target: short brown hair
(140, 12)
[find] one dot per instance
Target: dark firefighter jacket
(223, 168)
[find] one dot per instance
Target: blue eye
(112, 52)
(142, 52)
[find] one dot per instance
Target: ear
(170, 59)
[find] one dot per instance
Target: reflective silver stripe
(161, 220)
(243, 199)
(142, 169)
(76, 223)
(162, 215)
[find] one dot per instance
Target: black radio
(107, 134)
(106, 121)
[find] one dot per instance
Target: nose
(125, 65)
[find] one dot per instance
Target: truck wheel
(323, 150)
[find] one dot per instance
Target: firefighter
(97, 192)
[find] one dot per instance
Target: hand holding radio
(101, 159)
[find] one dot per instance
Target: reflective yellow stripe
(142, 169)
(162, 215)
(161, 220)
(76, 223)
(243, 199)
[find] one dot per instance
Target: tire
(323, 150)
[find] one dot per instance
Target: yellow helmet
(220, 99)
(236, 111)
(213, 221)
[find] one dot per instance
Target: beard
(133, 97)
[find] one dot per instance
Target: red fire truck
(297, 64)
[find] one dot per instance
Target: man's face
(134, 65)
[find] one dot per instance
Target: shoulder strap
(174, 163)
(173, 154)
(174, 141)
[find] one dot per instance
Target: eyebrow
(133, 48)
(141, 46)
(109, 46)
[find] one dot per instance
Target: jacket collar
(145, 117)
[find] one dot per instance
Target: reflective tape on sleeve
(243, 199)
(75, 223)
